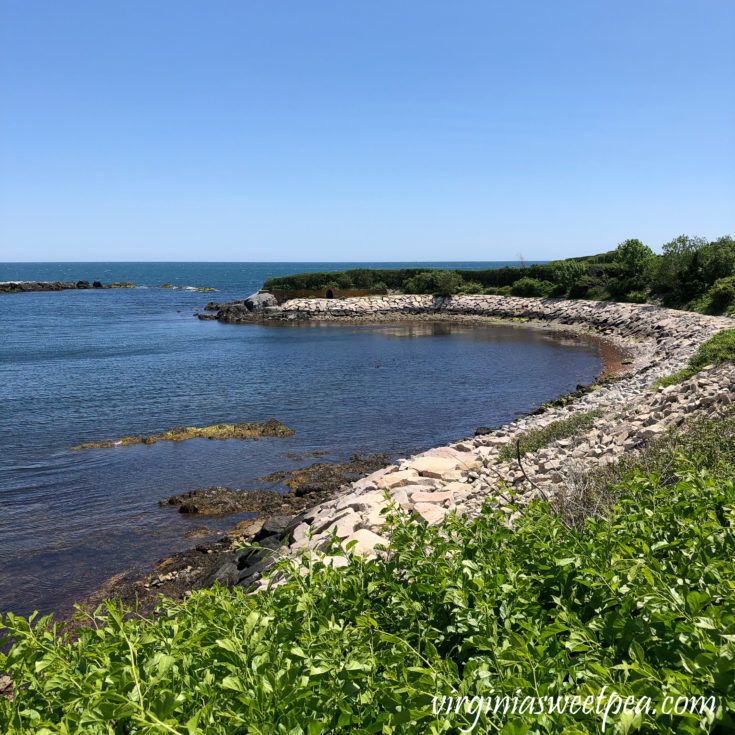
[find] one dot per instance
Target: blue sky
(313, 130)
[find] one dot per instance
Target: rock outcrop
(28, 286)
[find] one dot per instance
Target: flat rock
(366, 541)
(434, 466)
(398, 479)
(430, 512)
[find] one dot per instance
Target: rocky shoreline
(30, 286)
(623, 415)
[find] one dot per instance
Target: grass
(714, 351)
(535, 439)
(638, 600)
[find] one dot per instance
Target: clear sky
(370, 130)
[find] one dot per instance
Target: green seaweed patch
(204, 289)
(254, 430)
(121, 284)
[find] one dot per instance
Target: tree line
(690, 273)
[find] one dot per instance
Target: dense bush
(440, 283)
(638, 602)
(532, 287)
(722, 293)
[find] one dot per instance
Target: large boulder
(260, 301)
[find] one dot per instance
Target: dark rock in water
(205, 317)
(84, 284)
(325, 477)
(482, 430)
(213, 306)
(97, 284)
(234, 312)
(29, 286)
(218, 500)
(260, 301)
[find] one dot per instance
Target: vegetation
(637, 601)
(691, 273)
(271, 427)
(535, 439)
(714, 351)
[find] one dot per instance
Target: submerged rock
(218, 500)
(326, 477)
(269, 428)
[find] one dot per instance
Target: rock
(278, 526)
(197, 532)
(335, 561)
(252, 574)
(97, 284)
(218, 500)
(346, 525)
(225, 572)
(251, 556)
(259, 301)
(434, 466)
(430, 512)
(84, 284)
(437, 497)
(483, 430)
(398, 479)
(366, 541)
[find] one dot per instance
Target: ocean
(90, 365)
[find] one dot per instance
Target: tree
(566, 273)
(631, 256)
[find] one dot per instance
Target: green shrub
(446, 283)
(636, 297)
(420, 283)
(532, 287)
(722, 293)
(567, 273)
(344, 281)
(378, 288)
(440, 283)
(470, 287)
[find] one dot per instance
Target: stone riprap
(462, 476)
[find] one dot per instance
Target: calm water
(81, 366)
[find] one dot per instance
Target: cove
(72, 519)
